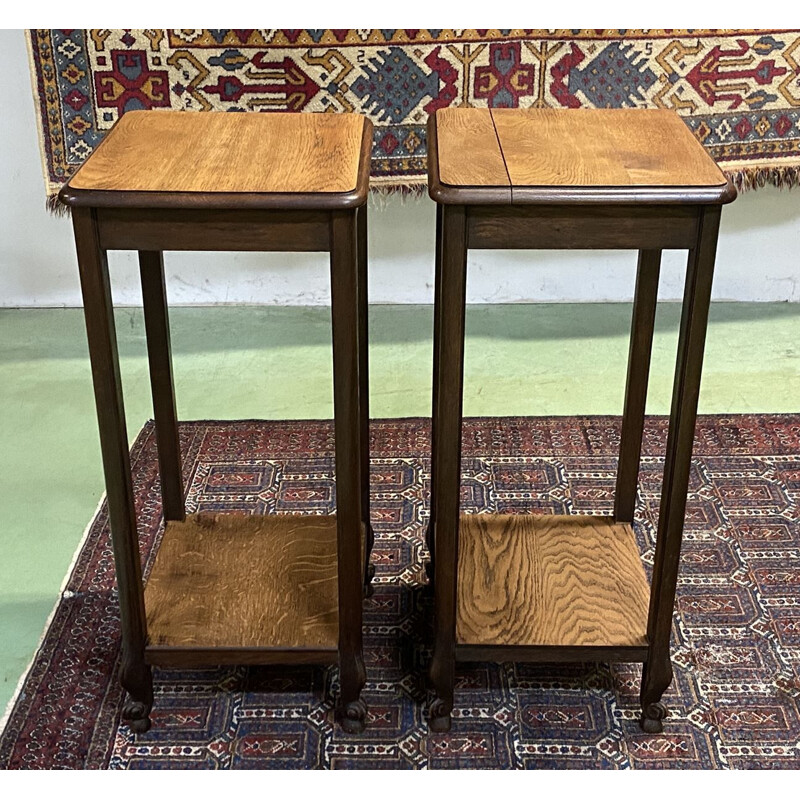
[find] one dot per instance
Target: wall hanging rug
(736, 638)
(739, 91)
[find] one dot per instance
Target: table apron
(582, 227)
(226, 230)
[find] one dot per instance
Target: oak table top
(528, 156)
(179, 159)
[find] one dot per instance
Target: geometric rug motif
(737, 90)
(734, 702)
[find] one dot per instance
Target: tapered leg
(429, 568)
(642, 325)
(446, 460)
(348, 422)
(694, 318)
(363, 388)
(135, 675)
(159, 353)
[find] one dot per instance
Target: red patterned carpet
(736, 639)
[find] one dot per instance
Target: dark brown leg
(446, 461)
(430, 569)
(348, 422)
(159, 353)
(697, 295)
(363, 388)
(630, 449)
(135, 675)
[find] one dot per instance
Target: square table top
(225, 159)
(538, 155)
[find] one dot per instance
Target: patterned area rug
(739, 91)
(734, 701)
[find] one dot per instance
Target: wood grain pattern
(232, 581)
(468, 150)
(177, 151)
(550, 580)
(602, 147)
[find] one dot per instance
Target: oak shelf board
(242, 583)
(550, 581)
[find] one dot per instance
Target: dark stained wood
(255, 194)
(225, 580)
(547, 654)
(571, 193)
(537, 580)
(192, 657)
(135, 676)
(642, 326)
(250, 219)
(680, 441)
(184, 229)
(446, 457)
(363, 389)
(579, 228)
(430, 568)
(159, 354)
(348, 421)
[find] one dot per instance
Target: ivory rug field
(736, 639)
(738, 90)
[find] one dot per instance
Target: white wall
(757, 258)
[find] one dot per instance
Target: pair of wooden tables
(288, 589)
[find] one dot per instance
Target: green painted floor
(256, 362)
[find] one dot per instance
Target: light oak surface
(180, 151)
(469, 153)
(571, 147)
(602, 147)
(549, 580)
(225, 580)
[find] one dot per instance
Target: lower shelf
(549, 581)
(232, 588)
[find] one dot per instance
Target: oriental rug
(734, 702)
(738, 90)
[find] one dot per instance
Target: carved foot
(137, 715)
(652, 716)
(439, 719)
(353, 716)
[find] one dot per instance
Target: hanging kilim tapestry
(739, 91)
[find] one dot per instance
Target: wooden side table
(231, 589)
(565, 588)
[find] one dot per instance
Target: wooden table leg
(348, 422)
(135, 675)
(159, 353)
(437, 303)
(642, 325)
(446, 459)
(363, 388)
(657, 674)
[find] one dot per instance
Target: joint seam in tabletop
(502, 155)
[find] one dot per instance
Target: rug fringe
(56, 207)
(746, 179)
(749, 179)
